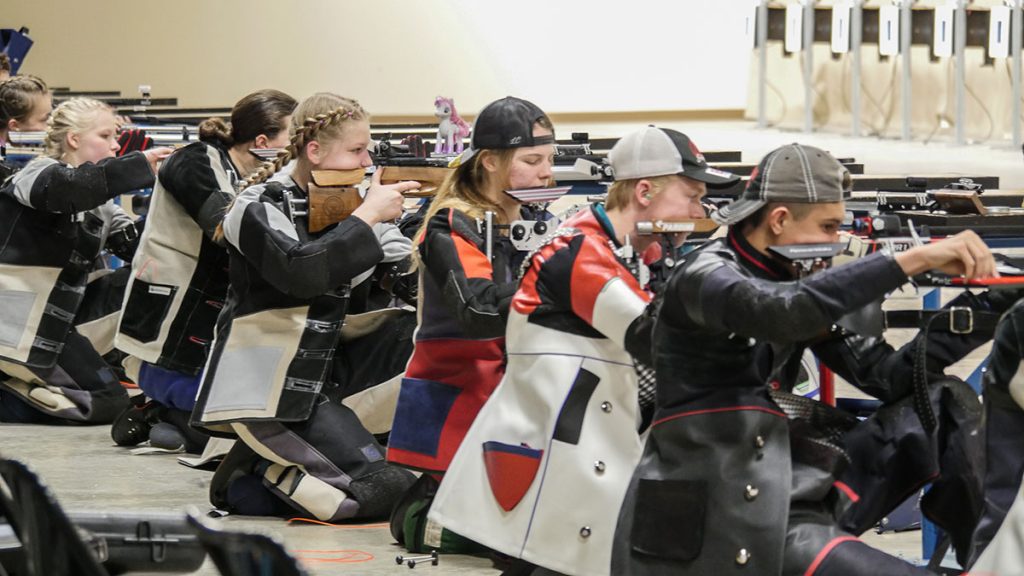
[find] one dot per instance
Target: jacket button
(599, 467)
(751, 493)
(606, 406)
(759, 441)
(742, 557)
(585, 532)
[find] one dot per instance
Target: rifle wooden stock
(430, 178)
(331, 205)
(960, 202)
(676, 226)
(333, 195)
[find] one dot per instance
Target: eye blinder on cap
(539, 141)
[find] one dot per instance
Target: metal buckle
(961, 320)
(294, 207)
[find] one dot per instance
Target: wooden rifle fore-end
(429, 177)
(676, 226)
(333, 195)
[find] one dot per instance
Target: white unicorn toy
(451, 129)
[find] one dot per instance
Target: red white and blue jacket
(546, 464)
(460, 341)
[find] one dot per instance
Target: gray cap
(651, 152)
(793, 173)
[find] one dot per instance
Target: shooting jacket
(459, 354)
(55, 221)
(724, 461)
(285, 308)
(997, 546)
(179, 275)
(545, 465)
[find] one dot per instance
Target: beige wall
(395, 56)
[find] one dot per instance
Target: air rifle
(676, 226)
(525, 235)
(334, 194)
(658, 272)
(886, 214)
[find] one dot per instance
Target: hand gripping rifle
(334, 194)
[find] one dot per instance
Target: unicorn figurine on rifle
(451, 129)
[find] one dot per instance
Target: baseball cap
(654, 151)
(793, 173)
(506, 123)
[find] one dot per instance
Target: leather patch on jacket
(574, 410)
(510, 471)
(669, 519)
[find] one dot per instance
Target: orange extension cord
(342, 556)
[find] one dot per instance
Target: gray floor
(86, 472)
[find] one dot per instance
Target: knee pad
(378, 492)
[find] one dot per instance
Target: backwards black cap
(506, 123)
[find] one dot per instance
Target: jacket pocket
(511, 470)
(669, 518)
(146, 310)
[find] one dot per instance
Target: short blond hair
(621, 191)
(71, 117)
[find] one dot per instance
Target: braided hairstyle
(321, 117)
(18, 96)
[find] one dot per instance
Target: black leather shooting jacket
(724, 460)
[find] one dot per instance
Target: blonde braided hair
(320, 117)
(323, 116)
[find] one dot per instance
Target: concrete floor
(86, 472)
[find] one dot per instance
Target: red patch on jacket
(510, 471)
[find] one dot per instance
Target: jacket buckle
(961, 320)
